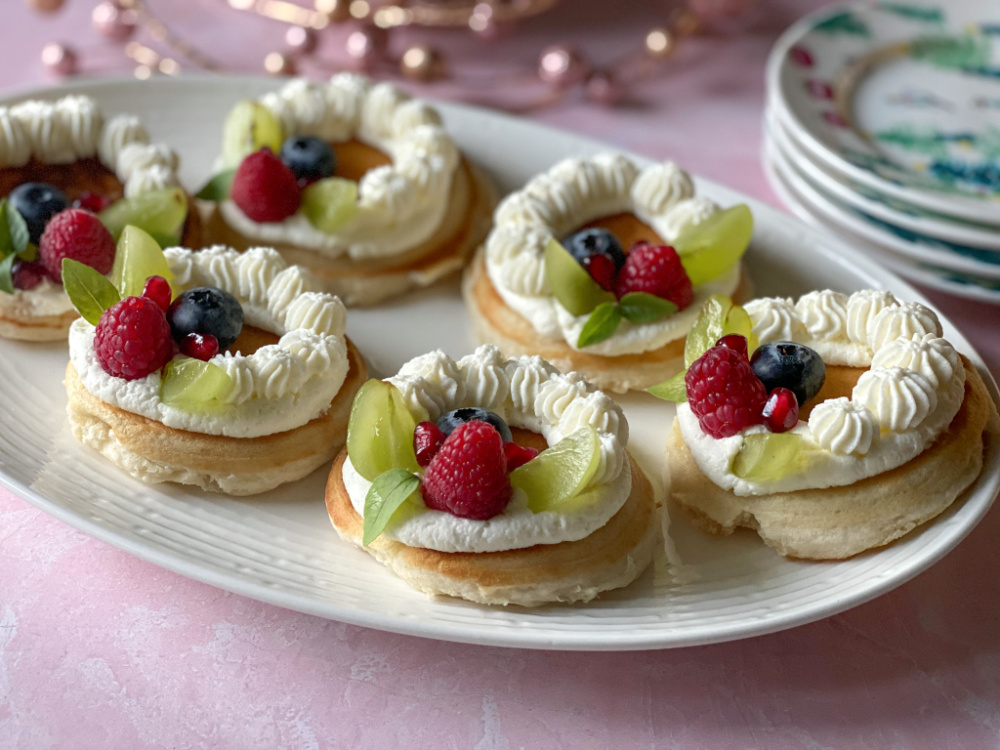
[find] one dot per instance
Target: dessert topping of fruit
(557, 476)
(781, 411)
(199, 346)
(427, 440)
(714, 245)
(330, 204)
(16, 249)
(724, 393)
(37, 202)
(209, 311)
(249, 127)
(468, 475)
(310, 158)
(588, 243)
(133, 338)
(449, 421)
(158, 289)
(80, 235)
(159, 213)
(785, 364)
(655, 270)
(264, 188)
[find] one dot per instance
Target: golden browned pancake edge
(610, 558)
(839, 522)
(466, 223)
(496, 323)
(153, 452)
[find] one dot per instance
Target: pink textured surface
(100, 649)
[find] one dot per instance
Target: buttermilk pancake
(58, 154)
(601, 266)
(361, 184)
(244, 416)
(894, 435)
(515, 487)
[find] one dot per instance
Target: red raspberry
(468, 476)
(133, 338)
(601, 268)
(27, 274)
(77, 234)
(518, 455)
(427, 440)
(200, 346)
(158, 289)
(724, 393)
(264, 188)
(657, 270)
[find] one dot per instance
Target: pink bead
(113, 22)
(367, 45)
(59, 58)
(300, 39)
(712, 10)
(562, 65)
(781, 410)
(604, 88)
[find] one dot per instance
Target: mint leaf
(671, 390)
(217, 189)
(6, 242)
(640, 307)
(601, 324)
(29, 253)
(388, 492)
(17, 228)
(6, 279)
(90, 292)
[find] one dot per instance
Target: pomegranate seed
(201, 346)
(781, 410)
(735, 342)
(601, 268)
(517, 455)
(427, 440)
(91, 202)
(27, 274)
(158, 289)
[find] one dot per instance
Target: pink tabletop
(101, 649)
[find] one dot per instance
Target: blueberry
(784, 364)
(37, 202)
(587, 242)
(308, 157)
(453, 419)
(206, 310)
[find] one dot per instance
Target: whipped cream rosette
(387, 202)
(892, 437)
(269, 408)
(80, 157)
(641, 252)
(562, 524)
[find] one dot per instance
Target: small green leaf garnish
(386, 495)
(571, 285)
(89, 291)
(768, 456)
(6, 276)
(193, 385)
(17, 228)
(640, 307)
(601, 325)
(217, 189)
(671, 390)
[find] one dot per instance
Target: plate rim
(639, 639)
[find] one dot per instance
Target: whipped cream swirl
(400, 205)
(530, 394)
(280, 386)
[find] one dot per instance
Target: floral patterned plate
(902, 96)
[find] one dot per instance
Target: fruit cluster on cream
(73, 128)
(527, 393)
(569, 195)
(280, 386)
(401, 204)
(912, 391)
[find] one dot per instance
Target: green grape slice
(715, 245)
(137, 257)
(193, 385)
(571, 285)
(380, 431)
(158, 212)
(557, 475)
(330, 204)
(707, 327)
(249, 127)
(769, 456)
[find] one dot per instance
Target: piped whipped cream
(277, 388)
(908, 397)
(530, 394)
(73, 128)
(400, 205)
(560, 201)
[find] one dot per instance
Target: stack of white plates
(883, 125)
